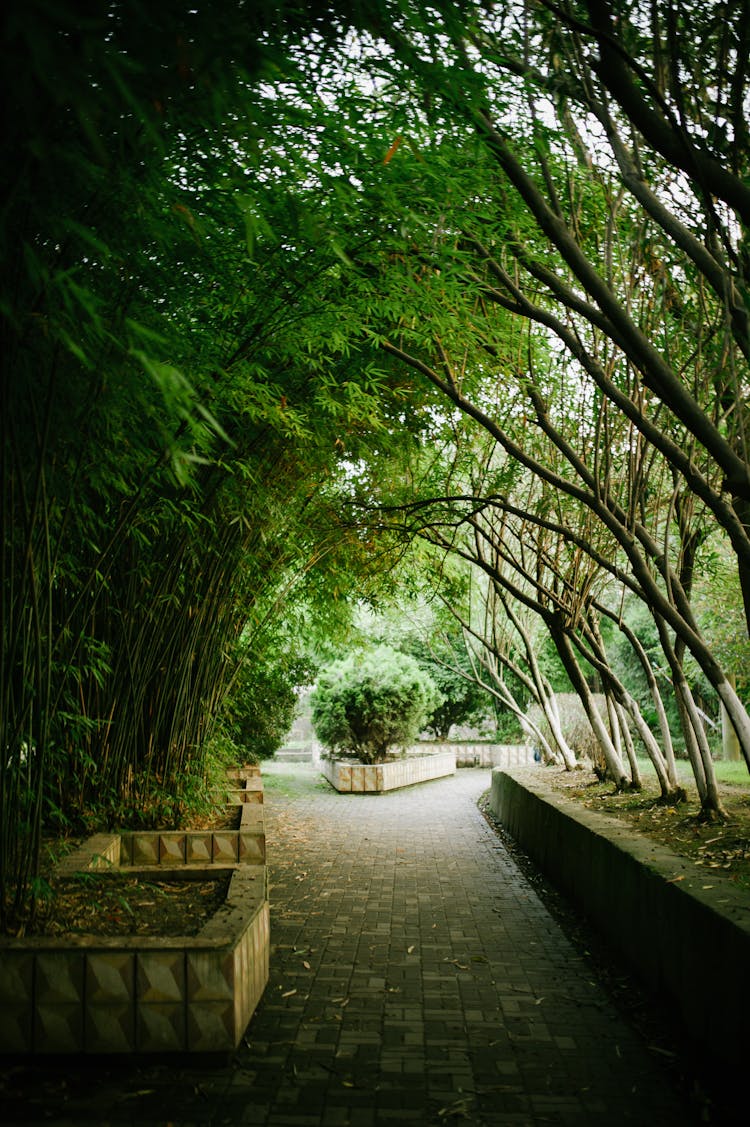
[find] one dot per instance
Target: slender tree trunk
(618, 722)
(738, 717)
(615, 767)
(670, 790)
(627, 739)
(548, 704)
(700, 754)
(729, 743)
(656, 697)
(742, 509)
(501, 692)
(545, 697)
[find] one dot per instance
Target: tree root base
(672, 798)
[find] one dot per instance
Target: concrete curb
(687, 943)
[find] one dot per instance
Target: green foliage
(370, 703)
(219, 240)
(630, 671)
(720, 612)
(259, 708)
(551, 666)
(180, 386)
(509, 728)
(464, 703)
(430, 634)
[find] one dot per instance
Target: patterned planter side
(347, 776)
(135, 994)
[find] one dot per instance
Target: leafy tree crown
(372, 702)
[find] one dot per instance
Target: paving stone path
(416, 978)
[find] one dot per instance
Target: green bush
(462, 702)
(372, 702)
(259, 708)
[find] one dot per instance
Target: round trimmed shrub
(372, 702)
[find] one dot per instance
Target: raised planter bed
(139, 994)
(347, 776)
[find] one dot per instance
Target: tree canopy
(288, 289)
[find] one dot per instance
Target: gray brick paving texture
(416, 978)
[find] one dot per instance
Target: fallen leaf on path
(664, 1052)
(458, 1110)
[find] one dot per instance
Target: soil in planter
(112, 905)
(226, 819)
(92, 904)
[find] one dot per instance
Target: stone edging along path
(687, 943)
(149, 994)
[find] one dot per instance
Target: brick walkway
(416, 978)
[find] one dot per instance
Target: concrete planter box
(679, 936)
(348, 776)
(479, 753)
(136, 994)
(245, 788)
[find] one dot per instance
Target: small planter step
(244, 785)
(347, 776)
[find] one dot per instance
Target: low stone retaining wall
(689, 944)
(347, 776)
(138, 994)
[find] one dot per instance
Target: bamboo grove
(285, 292)
(172, 395)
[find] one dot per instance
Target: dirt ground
(123, 905)
(720, 848)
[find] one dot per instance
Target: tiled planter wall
(93, 994)
(347, 776)
(479, 754)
